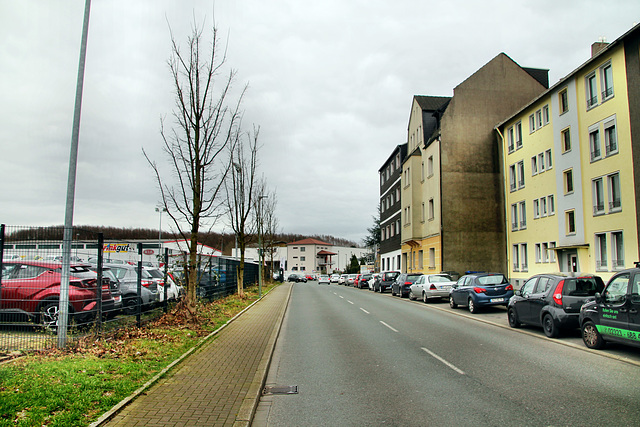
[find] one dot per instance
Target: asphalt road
(360, 358)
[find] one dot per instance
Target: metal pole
(100, 248)
(139, 287)
(71, 188)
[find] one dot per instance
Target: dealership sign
(118, 248)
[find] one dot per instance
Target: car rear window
(440, 278)
(495, 279)
(390, 276)
(582, 286)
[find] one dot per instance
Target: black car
(296, 278)
(385, 281)
(614, 315)
(402, 284)
(552, 301)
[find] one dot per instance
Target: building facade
(390, 210)
(571, 169)
(452, 197)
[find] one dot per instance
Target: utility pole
(63, 313)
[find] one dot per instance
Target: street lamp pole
(160, 209)
(260, 251)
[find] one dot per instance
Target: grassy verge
(75, 387)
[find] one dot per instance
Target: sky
(330, 85)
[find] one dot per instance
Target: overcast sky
(330, 85)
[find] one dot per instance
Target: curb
(124, 402)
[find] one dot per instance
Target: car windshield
(440, 278)
(495, 279)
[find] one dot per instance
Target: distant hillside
(222, 241)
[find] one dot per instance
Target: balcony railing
(598, 209)
(592, 101)
(595, 154)
(615, 204)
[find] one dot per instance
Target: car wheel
(472, 306)
(591, 336)
(130, 306)
(452, 303)
(411, 297)
(393, 293)
(48, 316)
(425, 299)
(549, 326)
(513, 318)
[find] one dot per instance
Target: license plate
(497, 300)
(445, 287)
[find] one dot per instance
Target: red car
(32, 289)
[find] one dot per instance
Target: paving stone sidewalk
(220, 383)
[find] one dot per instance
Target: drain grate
(280, 389)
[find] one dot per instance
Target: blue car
(480, 289)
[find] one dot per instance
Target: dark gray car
(127, 276)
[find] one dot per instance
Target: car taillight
(478, 290)
(433, 287)
(146, 283)
(509, 288)
(557, 294)
(408, 283)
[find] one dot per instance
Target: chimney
(598, 46)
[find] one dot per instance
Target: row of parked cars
(31, 290)
(554, 302)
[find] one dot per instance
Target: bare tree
(266, 223)
(241, 194)
(197, 145)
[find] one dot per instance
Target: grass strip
(75, 387)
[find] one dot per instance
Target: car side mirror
(518, 292)
(454, 286)
(598, 297)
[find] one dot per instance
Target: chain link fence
(112, 284)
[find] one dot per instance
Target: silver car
(430, 286)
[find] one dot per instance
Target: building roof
(310, 242)
(431, 103)
(595, 57)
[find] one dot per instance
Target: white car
(431, 286)
(342, 280)
(323, 278)
(335, 278)
(173, 292)
(374, 277)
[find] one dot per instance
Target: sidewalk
(219, 384)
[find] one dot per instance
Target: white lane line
(364, 310)
(432, 354)
(350, 302)
(341, 297)
(389, 326)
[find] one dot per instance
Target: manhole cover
(280, 389)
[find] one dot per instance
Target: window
(432, 258)
(383, 234)
(568, 181)
(516, 258)
(510, 140)
(422, 171)
(518, 131)
(552, 252)
(606, 82)
(523, 257)
(598, 196)
(594, 144)
(615, 203)
(545, 115)
(592, 91)
(551, 203)
(617, 250)
(431, 209)
(302, 258)
(420, 260)
(512, 177)
(536, 209)
(617, 289)
(523, 215)
(521, 174)
(547, 155)
(541, 162)
(538, 253)
(423, 213)
(570, 217)
(601, 252)
(565, 140)
(563, 101)
(543, 206)
(514, 217)
(302, 248)
(532, 124)
(538, 119)
(534, 165)
(544, 255)
(610, 139)
(430, 166)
